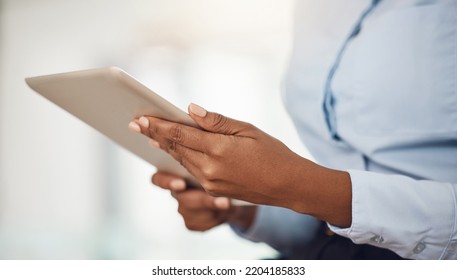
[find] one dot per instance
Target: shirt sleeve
(414, 218)
(281, 228)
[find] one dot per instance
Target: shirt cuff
(414, 218)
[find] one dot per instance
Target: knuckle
(181, 211)
(210, 172)
(220, 122)
(194, 226)
(189, 225)
(153, 128)
(250, 126)
(176, 133)
(171, 146)
(183, 206)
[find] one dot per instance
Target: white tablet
(108, 99)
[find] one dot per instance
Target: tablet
(108, 99)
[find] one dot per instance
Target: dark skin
(234, 159)
(200, 210)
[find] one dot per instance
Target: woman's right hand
(200, 210)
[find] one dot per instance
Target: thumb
(215, 122)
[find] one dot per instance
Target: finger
(196, 199)
(187, 136)
(135, 126)
(168, 181)
(218, 123)
(139, 127)
(201, 221)
(185, 156)
(189, 160)
(144, 129)
(222, 202)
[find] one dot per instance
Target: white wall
(67, 192)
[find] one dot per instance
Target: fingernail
(154, 143)
(177, 184)
(144, 122)
(197, 110)
(133, 126)
(222, 202)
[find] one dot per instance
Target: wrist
(323, 193)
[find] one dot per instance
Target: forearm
(314, 190)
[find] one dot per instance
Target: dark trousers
(329, 246)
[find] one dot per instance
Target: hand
(201, 211)
(229, 158)
(237, 160)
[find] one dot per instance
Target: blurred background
(66, 192)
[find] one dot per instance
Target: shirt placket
(329, 99)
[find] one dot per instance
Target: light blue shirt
(372, 89)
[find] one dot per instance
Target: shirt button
(419, 248)
(377, 239)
